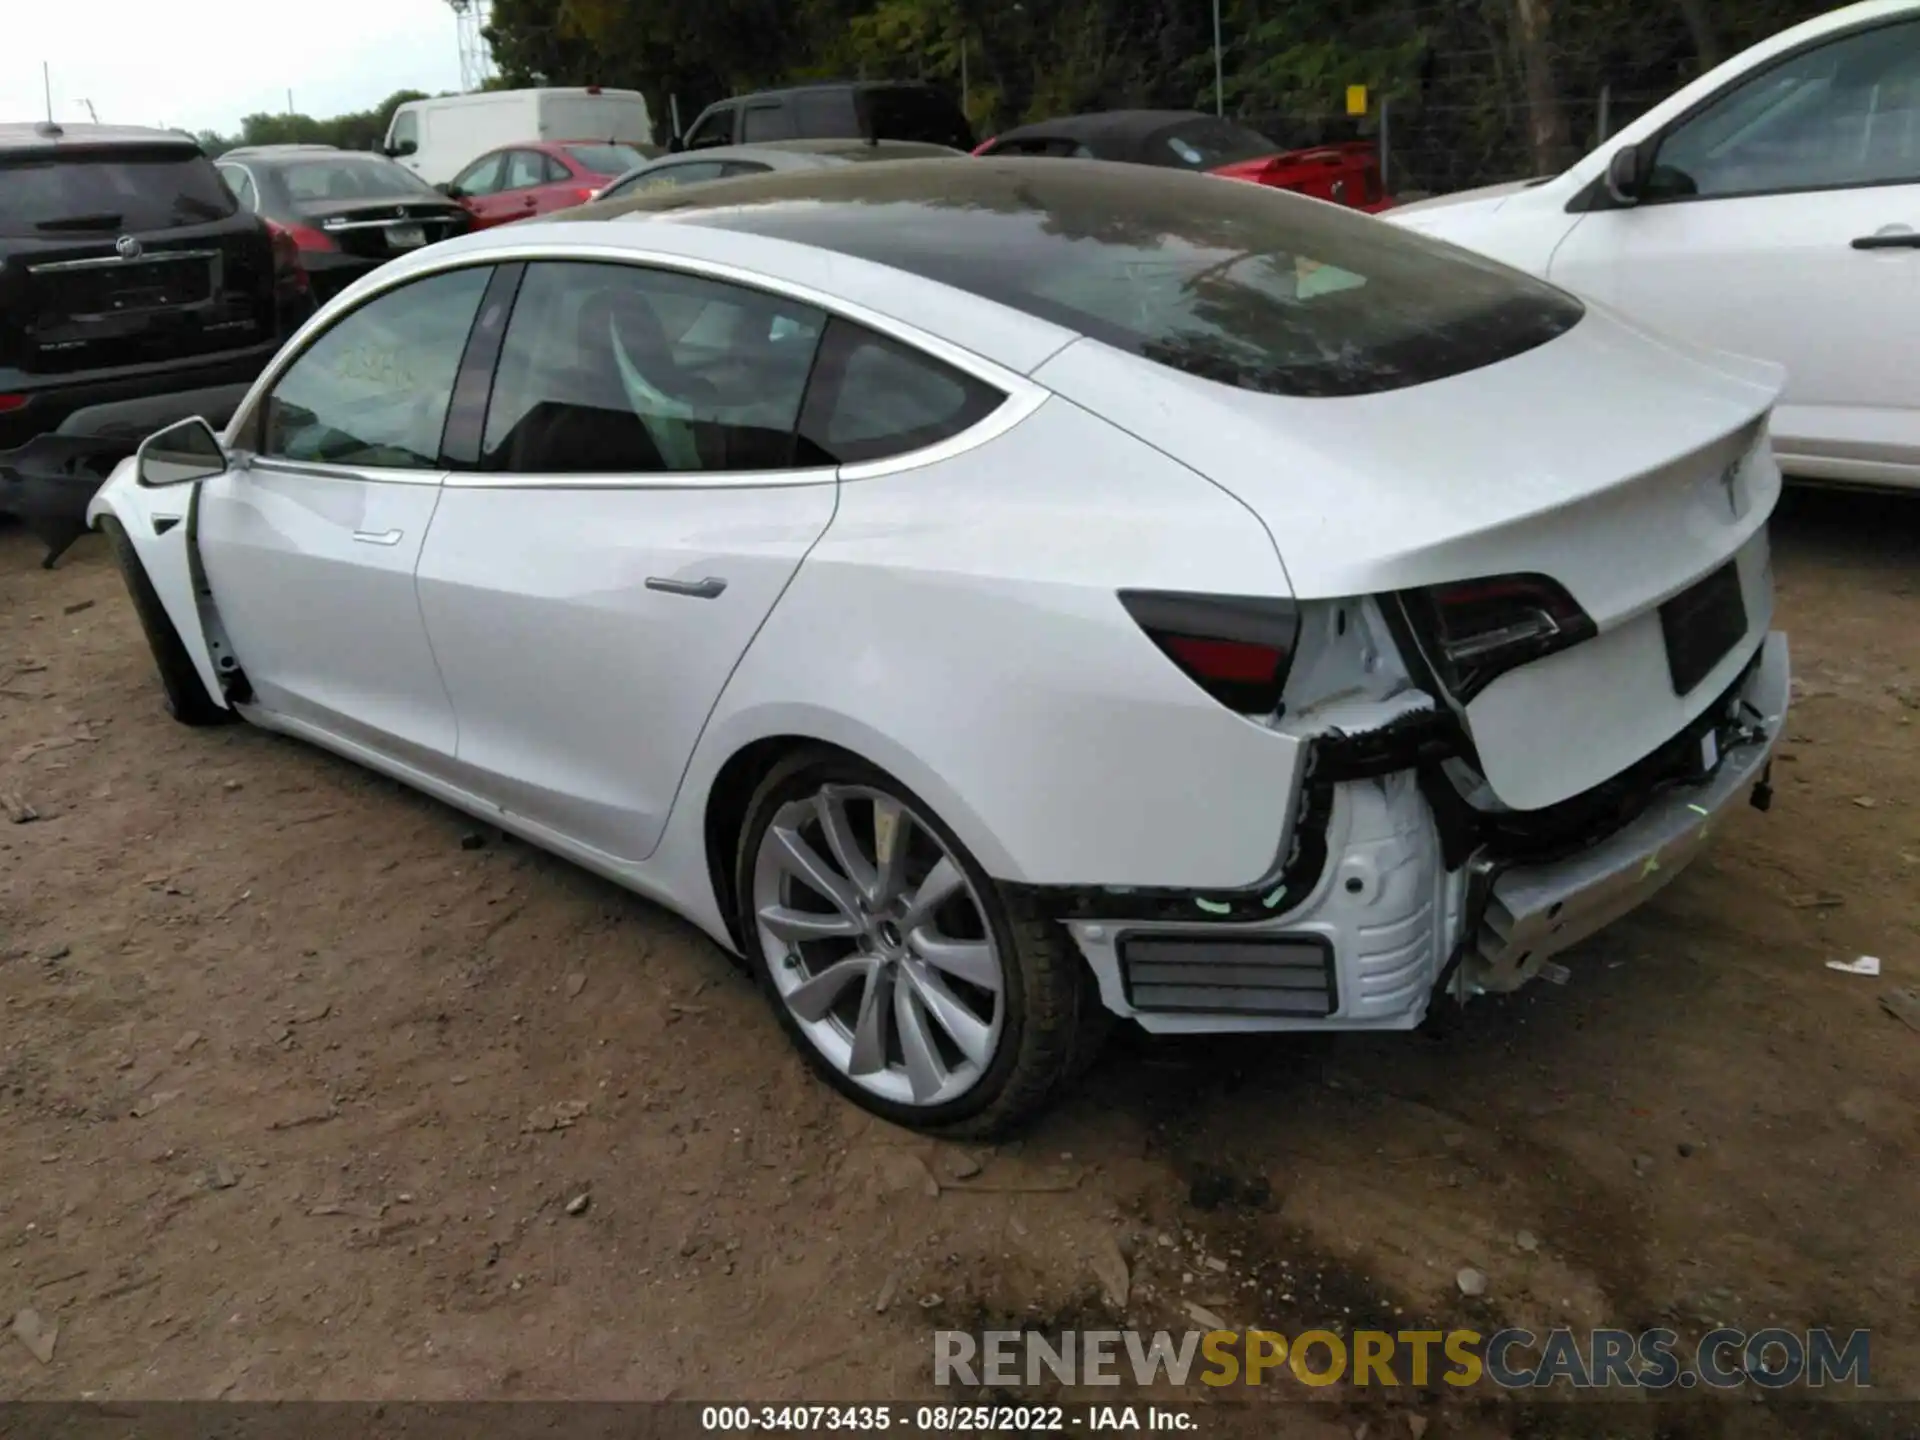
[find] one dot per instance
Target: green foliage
(1455, 73)
(360, 130)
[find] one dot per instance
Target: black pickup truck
(134, 291)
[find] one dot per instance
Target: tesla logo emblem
(127, 247)
(1730, 483)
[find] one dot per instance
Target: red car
(518, 181)
(1346, 173)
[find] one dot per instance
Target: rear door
(310, 540)
(636, 511)
(126, 256)
(1784, 222)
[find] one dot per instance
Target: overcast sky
(202, 64)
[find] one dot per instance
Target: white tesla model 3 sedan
(997, 598)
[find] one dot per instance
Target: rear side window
(910, 113)
(873, 398)
(1238, 283)
(1205, 144)
(115, 191)
(242, 186)
(374, 390)
(606, 159)
(617, 369)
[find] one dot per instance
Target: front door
(636, 512)
(1782, 221)
(310, 541)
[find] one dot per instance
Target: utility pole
(46, 84)
(92, 113)
(1219, 86)
(289, 102)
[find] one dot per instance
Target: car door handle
(707, 589)
(1896, 240)
(377, 537)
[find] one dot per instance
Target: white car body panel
(158, 523)
(1773, 276)
(321, 556)
(565, 603)
(953, 616)
(1039, 760)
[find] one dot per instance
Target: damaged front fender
(160, 524)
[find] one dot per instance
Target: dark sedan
(347, 212)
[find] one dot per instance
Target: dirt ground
(298, 1091)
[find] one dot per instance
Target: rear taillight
(11, 403)
(305, 237)
(1237, 648)
(1474, 631)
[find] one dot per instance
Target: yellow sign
(1356, 99)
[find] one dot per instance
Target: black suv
(134, 291)
(844, 110)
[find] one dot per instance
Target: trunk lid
(381, 229)
(1624, 466)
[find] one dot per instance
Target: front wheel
(911, 982)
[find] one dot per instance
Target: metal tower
(476, 59)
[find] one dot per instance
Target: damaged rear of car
(1525, 663)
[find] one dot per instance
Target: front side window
(406, 129)
(1846, 113)
(716, 129)
(373, 390)
(873, 398)
(480, 178)
(615, 369)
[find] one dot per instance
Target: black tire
(1048, 1033)
(186, 696)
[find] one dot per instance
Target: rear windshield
(910, 113)
(606, 159)
(1238, 283)
(110, 190)
(338, 178)
(1204, 144)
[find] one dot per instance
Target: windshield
(110, 190)
(350, 178)
(606, 159)
(1203, 144)
(1244, 285)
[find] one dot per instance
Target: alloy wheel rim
(878, 945)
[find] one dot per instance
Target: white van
(436, 138)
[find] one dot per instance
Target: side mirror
(405, 147)
(676, 144)
(180, 454)
(1626, 175)
(448, 189)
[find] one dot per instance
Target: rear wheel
(911, 982)
(187, 698)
